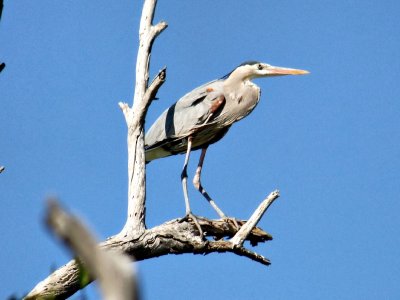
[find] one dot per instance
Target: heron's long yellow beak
(285, 71)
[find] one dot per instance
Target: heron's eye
(260, 67)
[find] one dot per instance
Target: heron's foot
(191, 217)
(231, 221)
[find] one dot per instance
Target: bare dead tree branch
(244, 231)
(172, 237)
(2, 65)
(1, 8)
(135, 116)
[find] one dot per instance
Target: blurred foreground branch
(112, 269)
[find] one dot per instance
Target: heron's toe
(232, 221)
(189, 217)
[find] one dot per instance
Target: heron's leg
(197, 184)
(185, 191)
(184, 176)
(199, 187)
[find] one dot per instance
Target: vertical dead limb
(135, 224)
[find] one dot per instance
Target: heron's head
(254, 69)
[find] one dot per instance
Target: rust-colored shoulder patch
(209, 90)
(217, 104)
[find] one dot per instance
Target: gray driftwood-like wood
(172, 237)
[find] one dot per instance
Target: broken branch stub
(244, 231)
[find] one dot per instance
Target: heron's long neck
(235, 85)
(236, 77)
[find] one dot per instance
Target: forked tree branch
(172, 237)
(135, 223)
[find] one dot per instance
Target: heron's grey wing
(178, 121)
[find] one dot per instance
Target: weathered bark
(172, 237)
(135, 116)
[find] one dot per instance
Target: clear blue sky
(329, 141)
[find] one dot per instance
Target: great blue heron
(204, 115)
